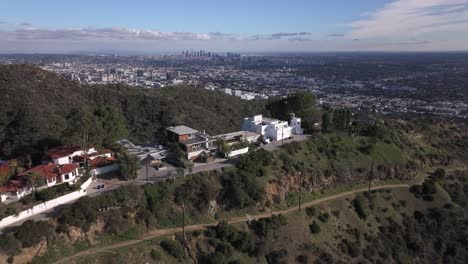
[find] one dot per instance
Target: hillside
(36, 103)
(422, 224)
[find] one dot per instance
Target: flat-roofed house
(271, 128)
(180, 133)
(193, 142)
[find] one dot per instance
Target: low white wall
(85, 184)
(46, 205)
(238, 152)
(103, 170)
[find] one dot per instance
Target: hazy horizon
(141, 26)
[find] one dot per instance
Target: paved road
(164, 232)
(170, 172)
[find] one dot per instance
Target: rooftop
(182, 130)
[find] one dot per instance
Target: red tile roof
(63, 151)
(100, 162)
(67, 168)
(13, 186)
(51, 171)
(46, 171)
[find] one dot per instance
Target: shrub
(336, 213)
(10, 245)
(264, 226)
(428, 198)
(428, 187)
(324, 217)
(155, 255)
(173, 248)
(311, 211)
(360, 206)
(277, 256)
(303, 259)
(314, 228)
(31, 233)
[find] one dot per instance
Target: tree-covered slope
(36, 103)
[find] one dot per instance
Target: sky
(153, 26)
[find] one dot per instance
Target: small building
(199, 144)
(180, 133)
(296, 125)
(236, 137)
(153, 152)
(103, 165)
(65, 154)
(270, 128)
(193, 142)
(14, 190)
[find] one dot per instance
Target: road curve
(163, 232)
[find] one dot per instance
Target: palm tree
(35, 180)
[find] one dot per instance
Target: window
(67, 177)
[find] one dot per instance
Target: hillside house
(193, 142)
(65, 154)
(270, 128)
(14, 190)
(55, 174)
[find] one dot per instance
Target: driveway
(170, 171)
(272, 146)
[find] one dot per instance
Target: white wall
(63, 160)
(46, 205)
(238, 152)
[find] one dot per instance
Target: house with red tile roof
(14, 190)
(55, 174)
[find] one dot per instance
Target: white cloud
(410, 18)
(115, 33)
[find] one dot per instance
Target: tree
(326, 121)
(84, 128)
(223, 147)
(98, 126)
(180, 172)
(35, 180)
(176, 155)
(129, 165)
(113, 124)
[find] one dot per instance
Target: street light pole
(300, 190)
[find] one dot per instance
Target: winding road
(168, 231)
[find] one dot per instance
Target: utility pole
(300, 190)
(183, 226)
(282, 135)
(147, 179)
(371, 175)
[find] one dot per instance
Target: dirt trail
(163, 232)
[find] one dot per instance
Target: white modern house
(296, 125)
(270, 128)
